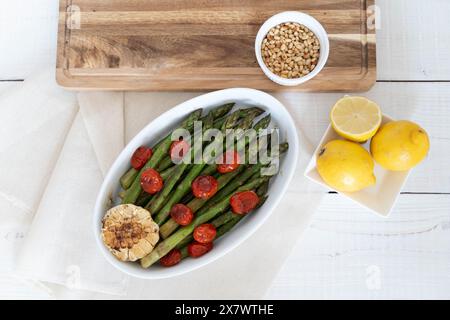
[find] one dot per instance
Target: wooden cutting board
(159, 45)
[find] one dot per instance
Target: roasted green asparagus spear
(168, 244)
(228, 220)
(129, 177)
(170, 226)
(135, 189)
(169, 184)
(167, 161)
(184, 187)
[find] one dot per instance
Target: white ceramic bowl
(160, 127)
(307, 21)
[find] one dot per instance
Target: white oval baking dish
(156, 130)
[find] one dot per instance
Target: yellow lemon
(345, 166)
(356, 118)
(400, 145)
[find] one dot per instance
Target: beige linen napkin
(35, 120)
(248, 271)
(60, 247)
(36, 116)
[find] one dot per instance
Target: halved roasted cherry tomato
(178, 149)
(140, 157)
(196, 249)
(204, 187)
(205, 233)
(244, 202)
(171, 259)
(181, 214)
(151, 181)
(230, 162)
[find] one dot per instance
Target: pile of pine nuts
(290, 50)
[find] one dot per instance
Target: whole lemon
(400, 145)
(345, 166)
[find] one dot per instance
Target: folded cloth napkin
(36, 117)
(59, 246)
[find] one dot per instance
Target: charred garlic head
(129, 232)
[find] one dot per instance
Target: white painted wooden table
(347, 252)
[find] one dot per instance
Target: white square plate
(379, 198)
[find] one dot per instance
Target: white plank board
(412, 40)
(426, 103)
(28, 31)
(7, 85)
(348, 253)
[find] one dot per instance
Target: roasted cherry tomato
(151, 181)
(178, 149)
(204, 187)
(140, 157)
(205, 233)
(196, 249)
(244, 202)
(171, 259)
(181, 214)
(230, 162)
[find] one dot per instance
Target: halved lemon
(356, 118)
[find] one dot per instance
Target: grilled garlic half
(129, 232)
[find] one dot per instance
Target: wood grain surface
(201, 45)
